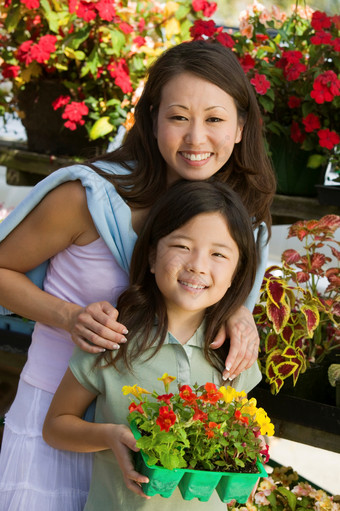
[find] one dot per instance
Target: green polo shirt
(188, 365)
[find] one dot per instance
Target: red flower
(336, 44)
(260, 83)
(187, 394)
(83, 9)
(41, 51)
(74, 111)
(141, 25)
(242, 418)
(321, 38)
(208, 8)
(262, 37)
(61, 101)
(320, 20)
(311, 123)
(294, 102)
(136, 408)
(296, 134)
(212, 395)
(265, 453)
(201, 27)
(31, 4)
(165, 397)
(120, 72)
(291, 57)
(24, 52)
(325, 87)
(106, 9)
(225, 39)
(10, 71)
(199, 415)
(139, 41)
(247, 62)
(125, 27)
(293, 70)
(336, 20)
(166, 418)
(328, 139)
(70, 125)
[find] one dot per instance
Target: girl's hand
(121, 442)
(244, 342)
(95, 328)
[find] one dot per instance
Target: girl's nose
(197, 263)
(196, 134)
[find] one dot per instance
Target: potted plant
(298, 313)
(292, 61)
(84, 63)
(198, 434)
(283, 490)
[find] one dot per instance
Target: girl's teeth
(195, 286)
(196, 157)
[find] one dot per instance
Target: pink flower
(60, 102)
(260, 83)
(311, 123)
(328, 139)
(120, 72)
(74, 111)
(208, 8)
(31, 4)
(106, 9)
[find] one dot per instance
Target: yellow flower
(172, 27)
(166, 379)
(229, 393)
(249, 407)
(135, 391)
(170, 9)
(266, 427)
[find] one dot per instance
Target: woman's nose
(196, 134)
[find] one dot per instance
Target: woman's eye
(178, 118)
(215, 119)
(218, 254)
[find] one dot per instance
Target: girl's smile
(196, 128)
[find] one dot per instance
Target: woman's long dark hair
(248, 170)
(142, 302)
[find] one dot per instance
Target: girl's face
(196, 128)
(194, 265)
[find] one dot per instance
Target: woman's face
(196, 128)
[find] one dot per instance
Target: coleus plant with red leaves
(298, 314)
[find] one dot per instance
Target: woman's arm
(65, 429)
(60, 219)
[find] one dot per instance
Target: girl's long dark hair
(142, 302)
(248, 170)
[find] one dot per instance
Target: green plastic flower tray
(198, 484)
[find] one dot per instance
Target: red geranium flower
(294, 102)
(336, 44)
(208, 8)
(321, 38)
(260, 83)
(106, 9)
(41, 51)
(74, 111)
(325, 87)
(24, 52)
(9, 71)
(320, 20)
(120, 72)
(31, 4)
(60, 101)
(166, 418)
(296, 134)
(328, 139)
(311, 123)
(225, 39)
(247, 62)
(125, 27)
(201, 28)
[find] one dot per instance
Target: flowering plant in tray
(199, 427)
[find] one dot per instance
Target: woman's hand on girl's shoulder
(121, 443)
(244, 342)
(95, 328)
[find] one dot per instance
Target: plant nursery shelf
(301, 420)
(27, 168)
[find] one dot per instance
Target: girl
(193, 121)
(194, 263)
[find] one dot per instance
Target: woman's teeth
(196, 157)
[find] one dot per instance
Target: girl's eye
(183, 247)
(215, 119)
(217, 254)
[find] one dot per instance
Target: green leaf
(101, 128)
(291, 498)
(13, 18)
(266, 102)
(118, 41)
(75, 39)
(272, 499)
(52, 17)
(315, 161)
(182, 12)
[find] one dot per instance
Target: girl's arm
(65, 429)
(60, 219)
